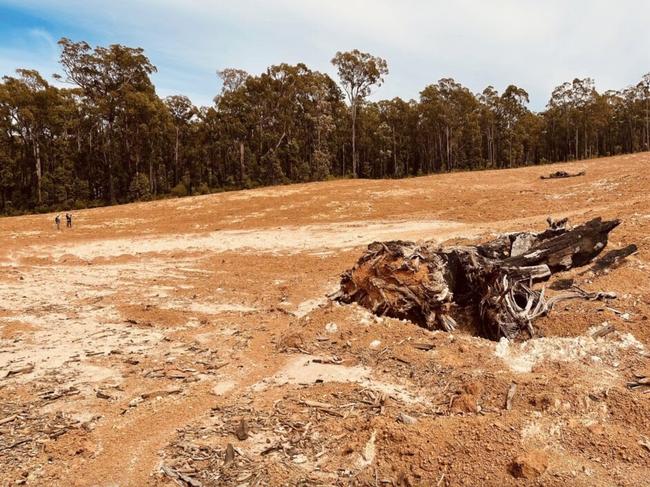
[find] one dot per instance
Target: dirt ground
(190, 342)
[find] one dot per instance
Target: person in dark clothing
(68, 220)
(57, 220)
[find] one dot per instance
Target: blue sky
(534, 44)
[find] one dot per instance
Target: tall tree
(181, 110)
(114, 80)
(358, 72)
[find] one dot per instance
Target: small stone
(135, 401)
(406, 419)
(331, 328)
(300, 458)
(530, 465)
(375, 344)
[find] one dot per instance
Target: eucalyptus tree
(358, 72)
(116, 82)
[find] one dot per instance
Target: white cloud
(534, 44)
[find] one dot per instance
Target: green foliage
(140, 188)
(179, 190)
(203, 189)
(358, 72)
(322, 163)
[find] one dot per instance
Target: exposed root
(489, 284)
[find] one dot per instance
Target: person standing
(57, 220)
(68, 220)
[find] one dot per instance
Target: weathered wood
(20, 370)
(562, 175)
(605, 330)
(241, 432)
(488, 285)
(510, 396)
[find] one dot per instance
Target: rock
(331, 328)
(406, 419)
(300, 458)
(465, 403)
(375, 344)
(530, 465)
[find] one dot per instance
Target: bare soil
(138, 345)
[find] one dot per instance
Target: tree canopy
(104, 136)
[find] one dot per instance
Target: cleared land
(151, 336)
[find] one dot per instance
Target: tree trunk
(152, 187)
(241, 163)
(394, 153)
(448, 148)
(176, 176)
(39, 171)
(354, 139)
(647, 123)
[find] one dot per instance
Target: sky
(535, 44)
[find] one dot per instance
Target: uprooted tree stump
(489, 285)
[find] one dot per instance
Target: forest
(103, 136)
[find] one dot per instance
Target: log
(563, 174)
(489, 286)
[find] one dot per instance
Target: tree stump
(489, 285)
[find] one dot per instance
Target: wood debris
(563, 174)
(230, 454)
(163, 393)
(510, 396)
(241, 432)
(406, 419)
(605, 330)
(180, 478)
(489, 285)
(26, 369)
(645, 443)
(640, 382)
(8, 419)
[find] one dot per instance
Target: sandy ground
(191, 342)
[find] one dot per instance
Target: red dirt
(216, 304)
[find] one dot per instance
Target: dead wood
(640, 381)
(154, 394)
(510, 396)
(8, 419)
(20, 370)
(230, 454)
(613, 258)
(604, 331)
(241, 432)
(563, 174)
(180, 478)
(489, 285)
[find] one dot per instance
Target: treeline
(109, 138)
